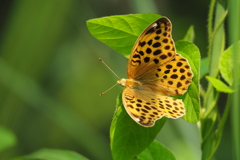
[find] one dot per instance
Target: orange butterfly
(155, 72)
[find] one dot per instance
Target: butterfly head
(122, 82)
(131, 83)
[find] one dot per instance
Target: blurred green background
(51, 78)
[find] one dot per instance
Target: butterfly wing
(171, 78)
(155, 63)
(145, 108)
(153, 48)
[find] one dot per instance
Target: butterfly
(155, 72)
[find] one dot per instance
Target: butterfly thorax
(131, 83)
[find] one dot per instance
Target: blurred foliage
(7, 139)
(51, 77)
(52, 154)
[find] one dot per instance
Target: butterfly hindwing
(145, 108)
(172, 78)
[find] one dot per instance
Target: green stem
(234, 24)
(218, 132)
(212, 106)
(210, 41)
(210, 25)
(220, 22)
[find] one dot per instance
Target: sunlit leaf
(120, 32)
(156, 151)
(128, 138)
(191, 97)
(226, 63)
(219, 85)
(189, 36)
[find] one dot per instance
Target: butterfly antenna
(108, 89)
(109, 69)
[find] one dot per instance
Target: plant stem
(234, 24)
(210, 25)
(216, 39)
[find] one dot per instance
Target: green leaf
(226, 63)
(128, 138)
(204, 67)
(219, 85)
(156, 151)
(189, 36)
(191, 98)
(53, 154)
(7, 138)
(120, 32)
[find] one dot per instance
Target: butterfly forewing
(153, 48)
